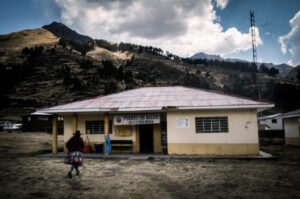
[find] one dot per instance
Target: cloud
(181, 27)
(222, 3)
(291, 41)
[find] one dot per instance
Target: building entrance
(146, 138)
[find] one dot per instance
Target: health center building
(172, 120)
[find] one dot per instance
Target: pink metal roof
(158, 98)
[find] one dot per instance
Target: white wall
(273, 126)
(237, 122)
(291, 127)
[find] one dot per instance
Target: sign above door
(137, 119)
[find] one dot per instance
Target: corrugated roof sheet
(158, 98)
(269, 116)
(294, 113)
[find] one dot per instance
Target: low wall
(213, 149)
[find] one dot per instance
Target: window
(43, 118)
(97, 127)
(274, 121)
(163, 129)
(211, 124)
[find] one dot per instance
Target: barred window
(211, 124)
(97, 127)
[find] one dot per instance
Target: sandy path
(24, 175)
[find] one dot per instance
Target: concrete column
(136, 143)
(54, 134)
(74, 123)
(157, 138)
(106, 126)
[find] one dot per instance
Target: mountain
(294, 74)
(282, 68)
(61, 30)
(37, 69)
(206, 56)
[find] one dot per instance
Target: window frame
(100, 127)
(274, 121)
(212, 124)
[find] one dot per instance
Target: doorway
(146, 138)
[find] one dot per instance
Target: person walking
(75, 147)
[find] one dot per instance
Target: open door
(146, 138)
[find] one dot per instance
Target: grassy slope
(45, 85)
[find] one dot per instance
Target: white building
(270, 122)
(291, 123)
(175, 119)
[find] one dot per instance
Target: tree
(120, 73)
(83, 53)
(109, 70)
(263, 68)
(62, 42)
(298, 75)
(273, 71)
(26, 51)
(198, 71)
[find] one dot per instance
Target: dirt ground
(24, 175)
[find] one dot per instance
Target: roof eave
(137, 109)
(288, 116)
(258, 107)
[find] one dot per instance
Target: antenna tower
(252, 22)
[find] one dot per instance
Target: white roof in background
(39, 113)
(269, 116)
(156, 99)
(294, 113)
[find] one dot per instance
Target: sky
(219, 27)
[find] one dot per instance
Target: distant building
(270, 122)
(40, 122)
(291, 123)
(176, 119)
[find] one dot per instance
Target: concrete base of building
(292, 141)
(213, 149)
(139, 156)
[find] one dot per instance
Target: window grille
(97, 127)
(211, 124)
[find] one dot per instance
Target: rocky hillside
(283, 69)
(45, 67)
(294, 74)
(62, 31)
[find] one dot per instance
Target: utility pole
(252, 22)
